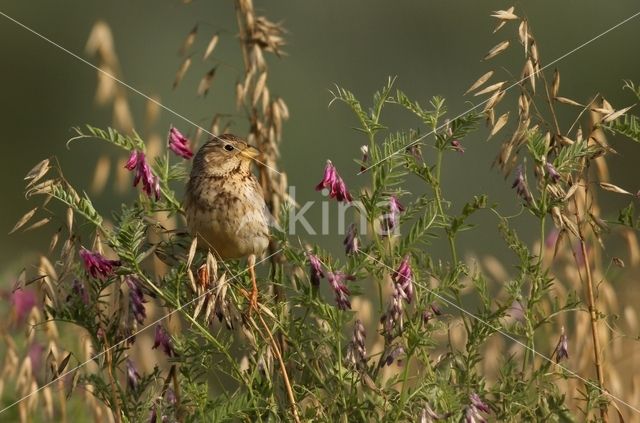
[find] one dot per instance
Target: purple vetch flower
(97, 265)
(78, 290)
(435, 309)
(315, 269)
(357, 350)
(562, 349)
(552, 172)
(472, 413)
(133, 377)
(393, 316)
(163, 340)
(22, 301)
(153, 414)
(392, 219)
(171, 396)
(365, 157)
(403, 277)
(427, 415)
(337, 282)
(150, 184)
(136, 299)
(415, 151)
(351, 242)
(332, 181)
(394, 354)
(457, 146)
(427, 315)
(179, 144)
(520, 184)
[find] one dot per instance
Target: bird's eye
(228, 147)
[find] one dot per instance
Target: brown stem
(283, 369)
(593, 310)
(114, 394)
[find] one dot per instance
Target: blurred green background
(433, 47)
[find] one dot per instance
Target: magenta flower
(351, 242)
(392, 219)
(97, 265)
(315, 269)
(337, 282)
(457, 146)
(403, 277)
(334, 183)
(163, 340)
(179, 144)
(150, 184)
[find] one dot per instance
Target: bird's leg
(253, 298)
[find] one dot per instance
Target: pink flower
(179, 144)
(403, 277)
(97, 265)
(457, 145)
(22, 301)
(337, 282)
(334, 183)
(315, 269)
(150, 184)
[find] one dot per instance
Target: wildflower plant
(385, 329)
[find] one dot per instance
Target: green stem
(438, 194)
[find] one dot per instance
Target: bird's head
(223, 155)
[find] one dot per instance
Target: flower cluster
(332, 181)
(179, 144)
(150, 183)
(133, 377)
(315, 269)
(520, 184)
(392, 219)
(351, 242)
(136, 300)
(472, 413)
(162, 340)
(97, 265)
(337, 282)
(552, 172)
(357, 350)
(403, 278)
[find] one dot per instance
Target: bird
(224, 204)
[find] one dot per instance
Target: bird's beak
(250, 152)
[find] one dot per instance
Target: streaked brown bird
(224, 203)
